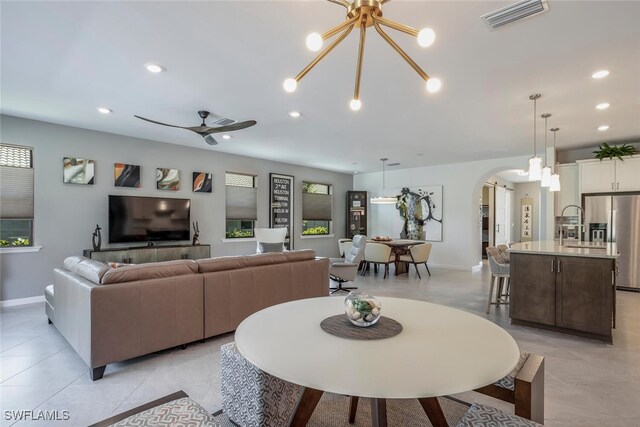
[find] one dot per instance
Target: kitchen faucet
(580, 225)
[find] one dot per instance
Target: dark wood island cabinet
(565, 289)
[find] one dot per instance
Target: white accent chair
(418, 254)
(269, 235)
(345, 269)
(378, 253)
(344, 245)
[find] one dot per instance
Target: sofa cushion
(266, 247)
(155, 270)
(264, 259)
(209, 265)
(87, 268)
(301, 255)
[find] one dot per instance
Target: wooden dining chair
(523, 387)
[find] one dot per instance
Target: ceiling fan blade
(160, 123)
(235, 126)
(209, 139)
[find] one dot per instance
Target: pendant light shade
(554, 183)
(555, 178)
(535, 169)
(383, 200)
(535, 163)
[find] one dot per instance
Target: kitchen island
(568, 289)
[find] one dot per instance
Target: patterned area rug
(333, 410)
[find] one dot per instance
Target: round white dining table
(440, 351)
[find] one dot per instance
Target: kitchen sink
(602, 248)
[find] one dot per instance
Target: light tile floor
(587, 383)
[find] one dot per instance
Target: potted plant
(605, 150)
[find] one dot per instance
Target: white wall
(66, 214)
(462, 185)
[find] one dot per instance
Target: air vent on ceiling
(393, 164)
(514, 12)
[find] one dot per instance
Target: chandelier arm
(402, 53)
(344, 3)
(396, 25)
(335, 30)
(323, 54)
(363, 35)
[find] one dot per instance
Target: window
(316, 208)
(242, 211)
(16, 195)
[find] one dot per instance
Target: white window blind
(242, 197)
(316, 202)
(16, 177)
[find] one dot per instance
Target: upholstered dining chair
(500, 272)
(504, 251)
(418, 254)
(377, 253)
(345, 269)
(344, 245)
(523, 387)
(268, 239)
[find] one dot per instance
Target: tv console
(144, 254)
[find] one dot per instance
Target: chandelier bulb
(426, 37)
(433, 85)
(355, 104)
(290, 85)
(314, 42)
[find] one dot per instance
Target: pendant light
(535, 166)
(546, 170)
(383, 200)
(555, 178)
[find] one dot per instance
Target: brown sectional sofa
(114, 314)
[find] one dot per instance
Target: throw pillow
(264, 247)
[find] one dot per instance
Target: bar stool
(500, 271)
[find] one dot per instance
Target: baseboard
(21, 301)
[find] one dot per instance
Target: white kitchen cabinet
(569, 193)
(608, 176)
(628, 174)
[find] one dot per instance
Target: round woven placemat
(340, 326)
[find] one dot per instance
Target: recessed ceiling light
(104, 110)
(602, 106)
(226, 136)
(295, 114)
(603, 128)
(600, 74)
(154, 68)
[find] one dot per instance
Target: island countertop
(581, 249)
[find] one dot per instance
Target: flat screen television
(148, 219)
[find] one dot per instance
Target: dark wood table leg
(353, 408)
(308, 402)
(433, 410)
(379, 412)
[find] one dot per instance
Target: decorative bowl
(362, 309)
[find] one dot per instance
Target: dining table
(398, 247)
(439, 351)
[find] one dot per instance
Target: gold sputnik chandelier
(363, 14)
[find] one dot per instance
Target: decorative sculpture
(196, 233)
(412, 210)
(97, 238)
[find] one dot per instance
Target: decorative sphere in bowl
(362, 309)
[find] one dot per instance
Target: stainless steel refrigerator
(616, 218)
